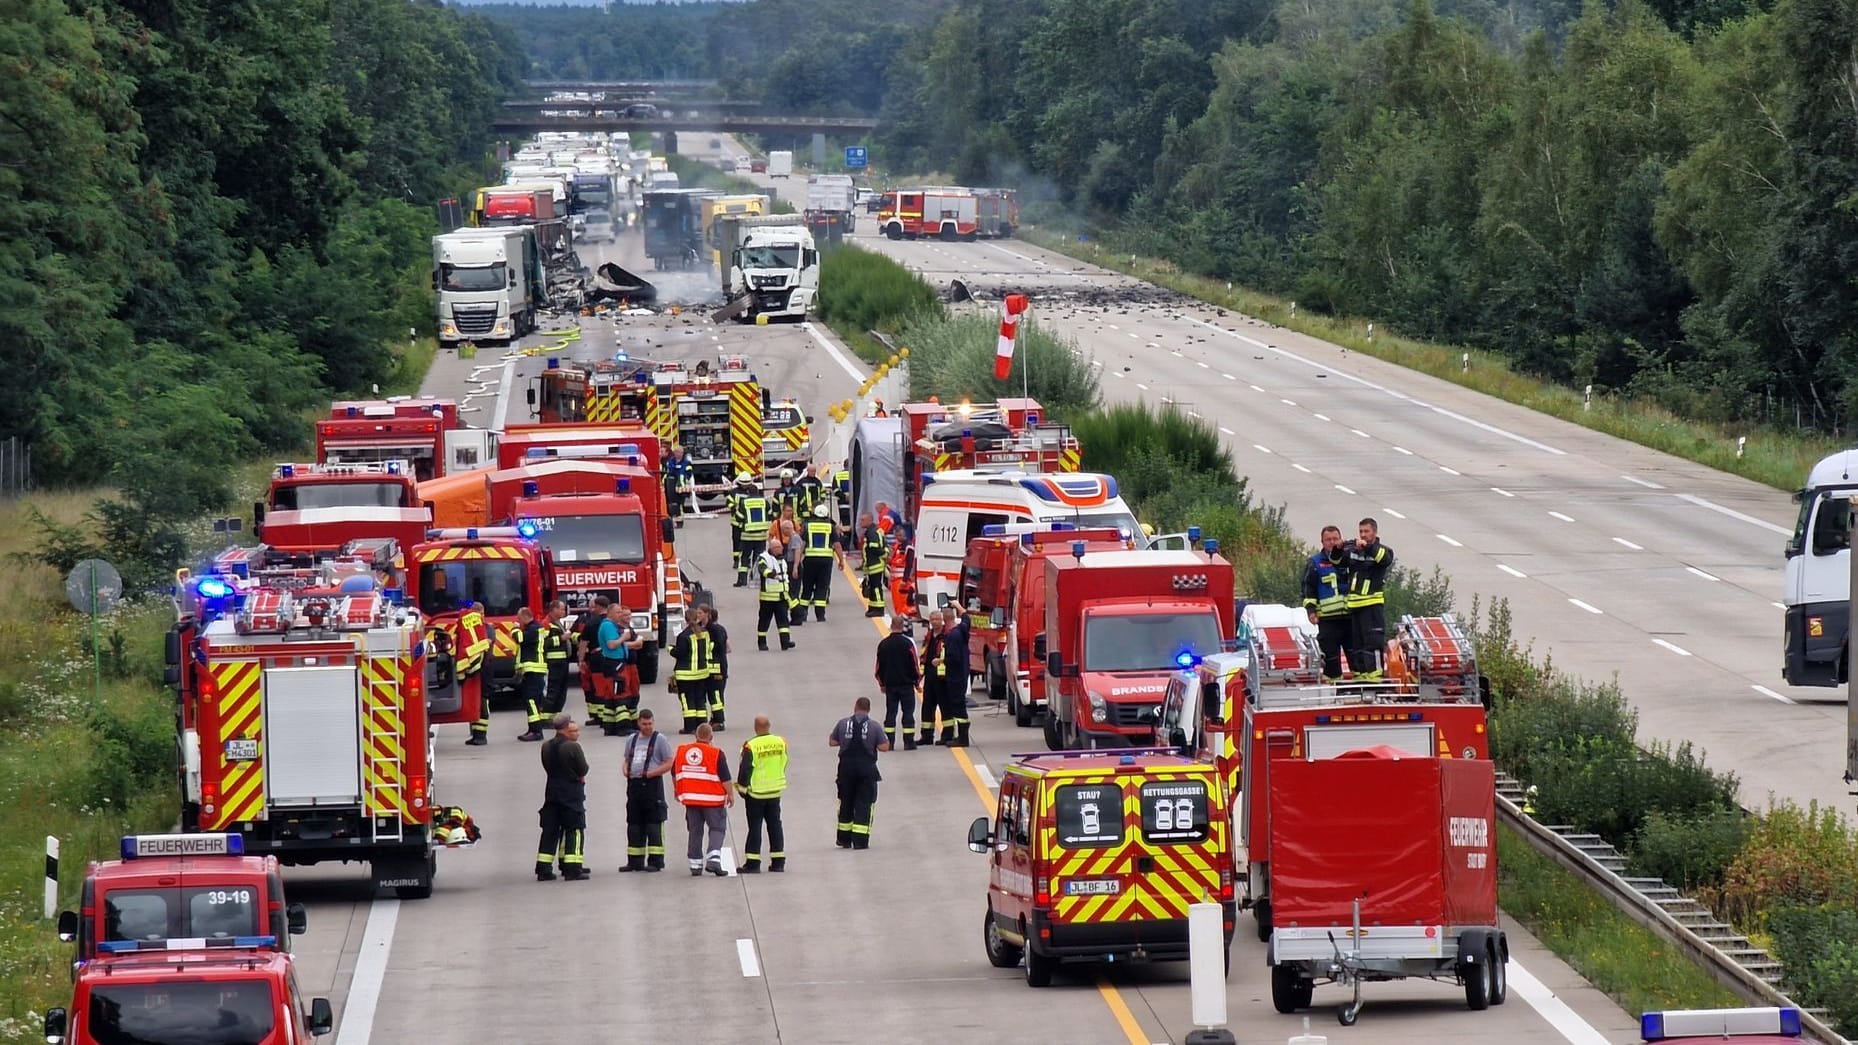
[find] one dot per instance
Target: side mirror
(171, 649)
(1054, 664)
(1210, 704)
(55, 1026)
(809, 419)
(512, 279)
(435, 281)
(1038, 646)
(258, 516)
(667, 531)
(1177, 737)
(322, 1018)
(531, 396)
(1793, 549)
(297, 919)
(67, 926)
(980, 835)
(998, 619)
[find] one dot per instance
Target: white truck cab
(778, 264)
(1818, 576)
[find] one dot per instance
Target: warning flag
(1011, 309)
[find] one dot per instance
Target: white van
(1819, 574)
(957, 506)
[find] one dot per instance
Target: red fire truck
(315, 509)
(1003, 593)
(629, 443)
(304, 721)
(999, 212)
(493, 565)
(1117, 625)
(426, 432)
(181, 997)
(947, 212)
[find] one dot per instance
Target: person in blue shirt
(617, 641)
(677, 475)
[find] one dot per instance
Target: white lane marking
(1199, 364)
(1017, 254)
(1629, 544)
(1226, 431)
(1700, 573)
(1361, 433)
(1551, 1008)
(986, 773)
(1563, 518)
(1403, 450)
(1116, 373)
(1641, 482)
(503, 392)
(1393, 513)
(745, 952)
(1585, 606)
(1114, 327)
(1300, 468)
(1501, 490)
(1766, 692)
(1141, 386)
(1319, 417)
(1345, 489)
(1733, 514)
(1228, 377)
(1255, 388)
(364, 987)
(833, 350)
(1513, 571)
(1133, 334)
(1493, 429)
(1288, 402)
(1261, 448)
(1679, 650)
(1450, 471)
(1448, 540)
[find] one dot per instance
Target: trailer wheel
(948, 234)
(1000, 954)
(1476, 977)
(1039, 967)
(1262, 912)
(1499, 975)
(1290, 991)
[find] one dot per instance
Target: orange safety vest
(696, 775)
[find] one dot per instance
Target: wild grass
(861, 291)
(952, 358)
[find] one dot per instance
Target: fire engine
(304, 720)
(1117, 624)
(1003, 592)
(424, 431)
(626, 443)
(493, 565)
(1097, 856)
(316, 509)
(948, 212)
(181, 889)
(998, 212)
(240, 993)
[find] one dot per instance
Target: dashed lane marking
(1448, 540)
(1585, 606)
(1679, 650)
(1766, 692)
(1513, 571)
(745, 953)
(1629, 544)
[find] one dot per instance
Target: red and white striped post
(1014, 306)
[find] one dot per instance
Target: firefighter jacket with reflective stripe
(1325, 588)
(873, 549)
(555, 643)
(842, 485)
(812, 493)
(695, 656)
(529, 650)
(699, 777)
(1367, 574)
(788, 493)
(771, 569)
(764, 767)
(754, 518)
(819, 539)
(935, 655)
(677, 472)
(475, 640)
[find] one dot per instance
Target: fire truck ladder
(382, 741)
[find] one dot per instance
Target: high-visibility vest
(755, 518)
(873, 548)
(529, 657)
(819, 539)
(474, 638)
(773, 573)
(1367, 573)
(696, 775)
(554, 643)
(768, 766)
(1330, 599)
(700, 660)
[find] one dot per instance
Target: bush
(1609, 787)
(133, 751)
(1795, 857)
(1819, 948)
(862, 291)
(952, 358)
(1539, 720)
(1115, 435)
(1692, 853)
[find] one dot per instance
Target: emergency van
(958, 506)
(247, 996)
(181, 890)
(1096, 856)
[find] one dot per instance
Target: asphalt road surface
(882, 945)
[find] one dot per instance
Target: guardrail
(1743, 970)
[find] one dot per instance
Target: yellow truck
(714, 207)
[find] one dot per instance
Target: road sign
(856, 157)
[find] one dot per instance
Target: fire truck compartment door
(468, 449)
(312, 737)
(1415, 738)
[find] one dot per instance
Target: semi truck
(490, 283)
(714, 208)
(1816, 633)
(780, 163)
(773, 267)
(831, 205)
(671, 221)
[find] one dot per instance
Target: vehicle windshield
(1120, 521)
(599, 217)
(184, 1012)
(1147, 641)
(420, 455)
(593, 538)
(770, 257)
(304, 496)
(212, 913)
(590, 198)
(472, 277)
(502, 585)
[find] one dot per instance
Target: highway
(882, 945)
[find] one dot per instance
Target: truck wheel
(648, 664)
(1289, 990)
(1262, 912)
(1000, 954)
(1499, 976)
(894, 232)
(420, 892)
(948, 234)
(1039, 968)
(1054, 731)
(996, 678)
(1476, 979)
(1022, 712)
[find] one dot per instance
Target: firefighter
(842, 494)
(743, 483)
(531, 671)
(771, 585)
(898, 675)
(555, 645)
(752, 510)
(719, 665)
(859, 740)
(788, 493)
(816, 562)
(762, 778)
(1369, 562)
(871, 565)
(812, 494)
(647, 760)
(678, 477)
(955, 653)
(694, 654)
(593, 665)
(1325, 599)
(700, 781)
(935, 680)
(474, 641)
(616, 641)
(564, 805)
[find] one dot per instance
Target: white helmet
(787, 473)
(820, 511)
(744, 479)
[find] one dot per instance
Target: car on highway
(758, 166)
(716, 144)
(597, 226)
(727, 164)
(868, 199)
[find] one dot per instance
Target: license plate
(241, 750)
(1093, 887)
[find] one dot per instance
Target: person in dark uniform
(898, 676)
(955, 689)
(564, 804)
(859, 740)
(531, 672)
(678, 476)
(1369, 563)
(816, 563)
(646, 761)
(719, 665)
(1325, 599)
(693, 653)
(593, 665)
(871, 565)
(935, 681)
(555, 649)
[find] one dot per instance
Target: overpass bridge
(518, 122)
(619, 85)
(617, 104)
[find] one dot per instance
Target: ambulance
(1097, 855)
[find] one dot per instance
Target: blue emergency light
(186, 944)
(531, 488)
(1077, 549)
(527, 529)
(1719, 1023)
(1184, 659)
(471, 533)
(211, 588)
(1212, 546)
(624, 485)
(1193, 534)
(1126, 760)
(135, 846)
(1064, 526)
(633, 460)
(994, 530)
(1032, 417)
(286, 470)
(398, 596)
(554, 362)
(393, 468)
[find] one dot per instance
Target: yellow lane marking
(1111, 996)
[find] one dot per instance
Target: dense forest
(214, 215)
(1657, 197)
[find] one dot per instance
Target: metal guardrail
(1661, 910)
